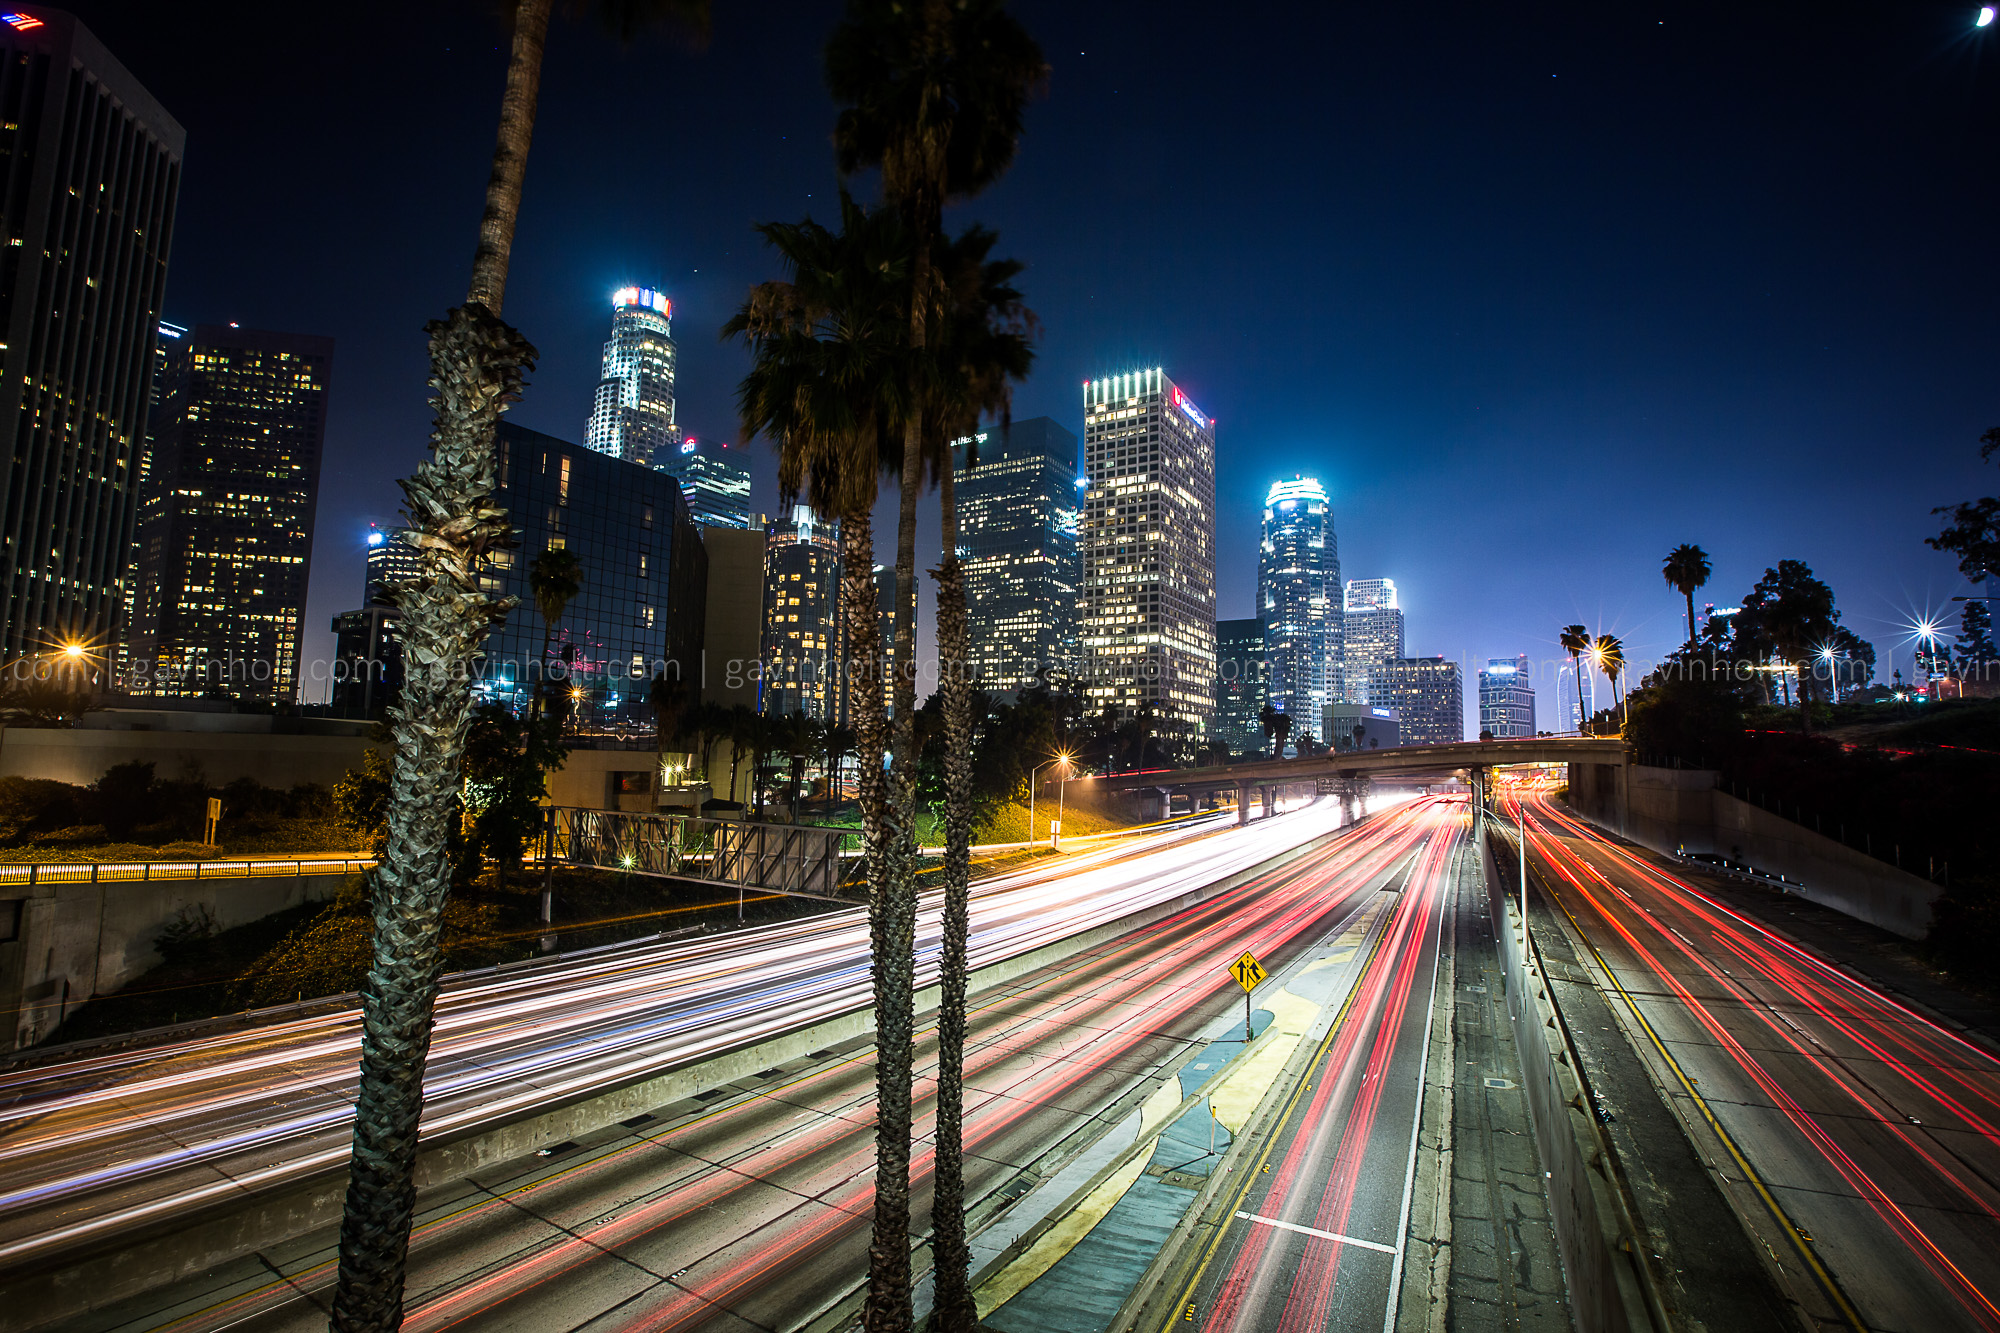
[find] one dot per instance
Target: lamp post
(1062, 759)
(1062, 794)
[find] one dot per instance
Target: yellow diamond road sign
(1247, 971)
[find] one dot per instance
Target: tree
(555, 577)
(478, 367)
(1792, 612)
(1576, 641)
(507, 763)
(1975, 633)
(742, 735)
(125, 797)
(838, 744)
(361, 798)
(1687, 568)
(1609, 655)
(932, 96)
(1974, 534)
(672, 719)
(1277, 726)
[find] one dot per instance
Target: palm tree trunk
(954, 1311)
(510, 155)
(478, 365)
(1690, 597)
(885, 837)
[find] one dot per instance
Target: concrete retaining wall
(1673, 810)
(79, 941)
(1593, 1232)
(81, 755)
(91, 1280)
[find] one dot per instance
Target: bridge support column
(1265, 794)
(1242, 804)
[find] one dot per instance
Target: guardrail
(786, 858)
(96, 872)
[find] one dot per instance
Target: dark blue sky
(1539, 290)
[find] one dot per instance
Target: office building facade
(633, 415)
(803, 647)
(715, 479)
(1241, 686)
(1299, 600)
(88, 184)
(1147, 531)
(1427, 695)
(1372, 633)
(1360, 727)
(1507, 699)
(226, 522)
(1017, 524)
(642, 606)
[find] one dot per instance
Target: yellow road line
(1828, 1283)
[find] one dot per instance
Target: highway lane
(754, 1212)
(1307, 1232)
(1858, 1139)
(96, 1149)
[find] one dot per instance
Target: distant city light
(25, 22)
(1985, 19)
(1185, 404)
(688, 445)
(645, 296)
(376, 539)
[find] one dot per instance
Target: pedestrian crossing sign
(1247, 971)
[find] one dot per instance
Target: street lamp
(1062, 759)
(1986, 16)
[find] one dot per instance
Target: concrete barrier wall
(79, 941)
(188, 1246)
(1672, 810)
(1593, 1234)
(81, 756)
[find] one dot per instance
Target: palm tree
(671, 719)
(478, 367)
(933, 95)
(554, 579)
(1268, 717)
(839, 744)
(1687, 568)
(1609, 654)
(1576, 641)
(741, 731)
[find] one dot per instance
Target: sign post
(214, 818)
(1248, 972)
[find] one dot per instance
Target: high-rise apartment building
(1147, 530)
(1241, 689)
(90, 169)
(633, 416)
(642, 605)
(226, 522)
(1372, 630)
(1507, 699)
(1427, 694)
(802, 644)
(1017, 517)
(715, 478)
(1299, 601)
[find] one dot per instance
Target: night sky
(1538, 290)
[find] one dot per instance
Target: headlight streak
(1792, 980)
(1145, 981)
(508, 1045)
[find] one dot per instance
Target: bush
(124, 798)
(188, 934)
(1965, 931)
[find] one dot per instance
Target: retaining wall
(1680, 810)
(1593, 1232)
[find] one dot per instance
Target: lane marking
(1315, 1231)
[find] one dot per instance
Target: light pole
(1062, 794)
(1062, 759)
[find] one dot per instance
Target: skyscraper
(1299, 601)
(1427, 695)
(642, 606)
(89, 175)
(390, 563)
(633, 417)
(226, 523)
(1506, 699)
(1148, 537)
(1241, 689)
(1017, 540)
(715, 478)
(802, 644)
(1373, 634)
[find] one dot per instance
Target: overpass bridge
(1349, 772)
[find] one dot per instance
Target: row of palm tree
(887, 340)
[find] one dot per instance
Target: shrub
(125, 797)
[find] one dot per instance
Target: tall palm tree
(1687, 568)
(1269, 718)
(932, 94)
(1576, 641)
(1609, 654)
(742, 732)
(671, 717)
(478, 367)
(555, 577)
(839, 744)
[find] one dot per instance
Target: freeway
(95, 1150)
(753, 1210)
(1307, 1231)
(1857, 1138)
